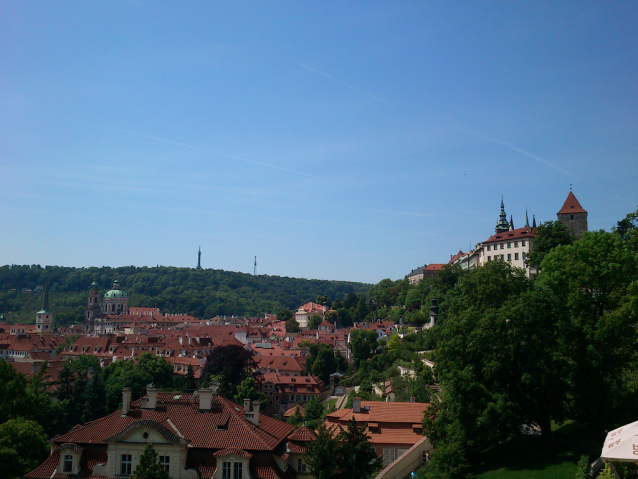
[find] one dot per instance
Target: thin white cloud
(212, 152)
(522, 152)
(343, 83)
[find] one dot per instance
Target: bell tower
(502, 225)
(44, 317)
(93, 308)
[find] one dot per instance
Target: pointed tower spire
(502, 225)
(45, 301)
(511, 223)
(534, 222)
(526, 218)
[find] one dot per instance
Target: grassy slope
(528, 458)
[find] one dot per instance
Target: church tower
(573, 216)
(93, 308)
(502, 225)
(44, 317)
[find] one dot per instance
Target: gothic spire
(534, 222)
(45, 300)
(511, 223)
(526, 218)
(502, 225)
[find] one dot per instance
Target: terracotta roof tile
(571, 205)
(304, 434)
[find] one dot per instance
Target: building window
(238, 470)
(523, 243)
(68, 463)
(515, 255)
(509, 257)
(502, 257)
(509, 244)
(502, 245)
(523, 256)
(226, 470)
(489, 258)
(515, 244)
(301, 466)
(389, 455)
(165, 461)
(125, 465)
(571, 217)
(489, 247)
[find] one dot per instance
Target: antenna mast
(255, 271)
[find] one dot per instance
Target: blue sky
(333, 140)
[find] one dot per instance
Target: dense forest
(202, 293)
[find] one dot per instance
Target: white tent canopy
(622, 444)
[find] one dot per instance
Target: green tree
(321, 454)
(284, 315)
(363, 344)
(628, 224)
(292, 326)
(596, 282)
(314, 321)
(189, 383)
(148, 466)
(314, 411)
(248, 390)
(233, 362)
(23, 446)
(297, 418)
(93, 400)
(321, 361)
(549, 235)
(356, 458)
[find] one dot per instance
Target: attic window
(307, 380)
(177, 397)
(366, 408)
(221, 427)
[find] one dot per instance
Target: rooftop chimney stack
(246, 405)
(206, 399)
(356, 405)
(256, 405)
(412, 399)
(150, 401)
(213, 386)
(126, 401)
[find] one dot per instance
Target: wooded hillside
(201, 293)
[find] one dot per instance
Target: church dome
(116, 292)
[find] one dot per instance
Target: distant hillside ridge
(201, 293)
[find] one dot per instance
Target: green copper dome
(116, 292)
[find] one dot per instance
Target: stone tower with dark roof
(573, 216)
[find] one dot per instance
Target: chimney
(150, 401)
(356, 405)
(213, 386)
(206, 399)
(126, 401)
(246, 405)
(412, 399)
(256, 405)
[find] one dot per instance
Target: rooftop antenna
(255, 271)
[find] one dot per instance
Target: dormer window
(68, 463)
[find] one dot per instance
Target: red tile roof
(519, 233)
(571, 205)
(434, 267)
(304, 434)
(199, 427)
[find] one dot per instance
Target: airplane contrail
(343, 83)
(522, 152)
(212, 152)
